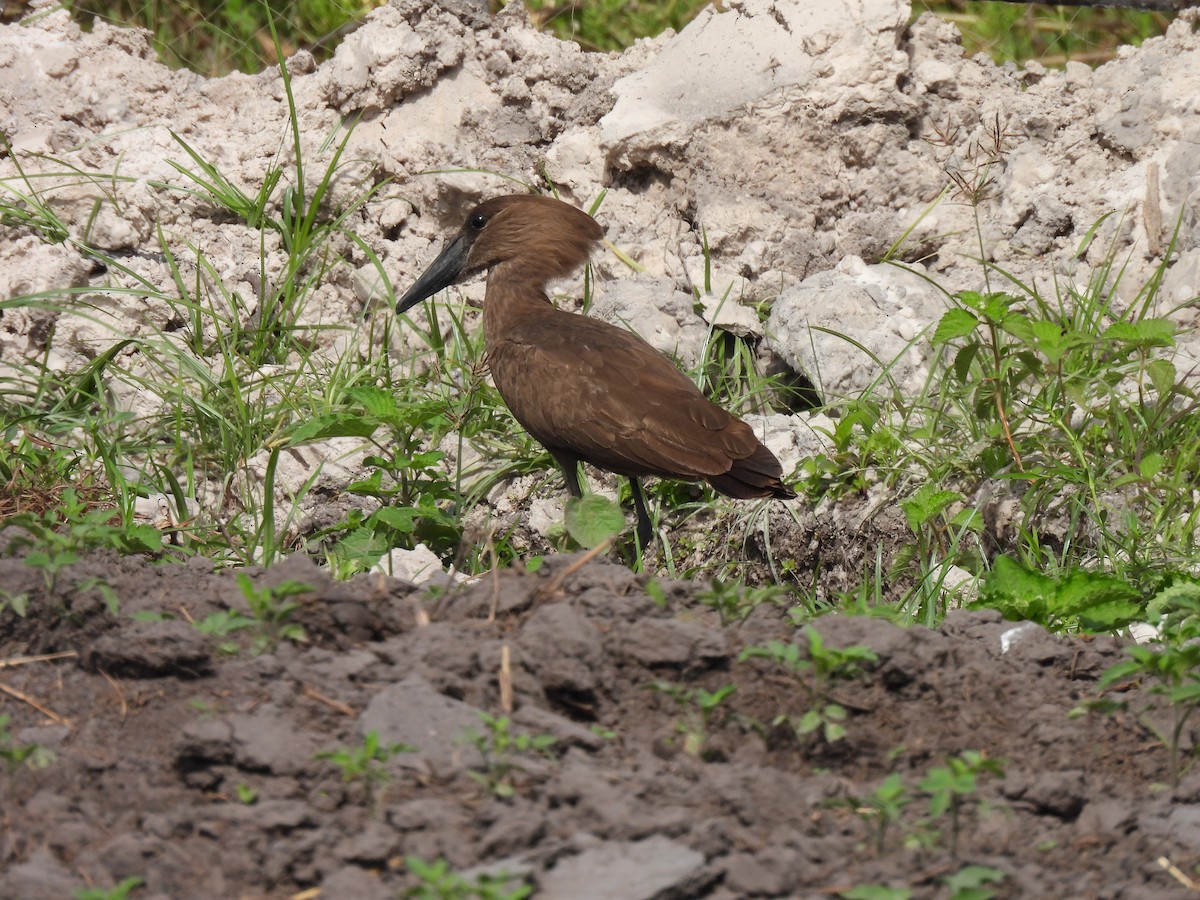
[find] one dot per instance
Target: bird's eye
(477, 221)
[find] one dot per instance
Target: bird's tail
(756, 475)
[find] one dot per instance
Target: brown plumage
(585, 389)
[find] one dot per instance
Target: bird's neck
(509, 301)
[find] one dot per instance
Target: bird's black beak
(443, 272)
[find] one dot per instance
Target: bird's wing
(602, 393)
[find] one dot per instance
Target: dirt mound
(186, 759)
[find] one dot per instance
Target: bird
(586, 390)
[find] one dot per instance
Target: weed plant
(16, 755)
(120, 891)
(365, 764)
(951, 791)
(703, 714)
(815, 673)
(1168, 670)
(239, 384)
(1063, 398)
(502, 749)
(440, 882)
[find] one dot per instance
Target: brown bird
(585, 389)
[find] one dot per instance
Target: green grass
(1052, 35)
(217, 38)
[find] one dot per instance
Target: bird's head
(539, 237)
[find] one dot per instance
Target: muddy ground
(196, 768)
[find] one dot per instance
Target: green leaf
(1144, 333)
(997, 309)
(955, 323)
(1050, 339)
(1023, 328)
(876, 892)
(1082, 590)
(400, 518)
(809, 722)
(1188, 692)
(593, 519)
(1162, 376)
(378, 403)
(331, 425)
(927, 504)
(1151, 465)
(834, 732)
(1119, 672)
(1109, 615)
(138, 539)
(19, 604)
(968, 882)
(964, 359)
(1013, 590)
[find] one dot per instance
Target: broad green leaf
(1162, 376)
(593, 519)
(1151, 465)
(955, 323)
(1110, 614)
(331, 425)
(378, 403)
(964, 359)
(1144, 333)
(138, 539)
(876, 892)
(809, 722)
(401, 518)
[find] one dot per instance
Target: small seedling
(18, 603)
(883, 807)
(498, 746)
(953, 785)
(876, 892)
(1174, 671)
(970, 883)
(814, 674)
(57, 538)
(703, 713)
(205, 709)
(16, 756)
(365, 762)
(222, 624)
(734, 601)
(271, 608)
(51, 561)
(119, 892)
(104, 589)
(246, 794)
(607, 734)
(656, 592)
(1172, 667)
(440, 882)
(269, 613)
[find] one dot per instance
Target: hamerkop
(585, 389)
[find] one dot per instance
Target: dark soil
(159, 739)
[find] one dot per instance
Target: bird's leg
(645, 530)
(570, 469)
